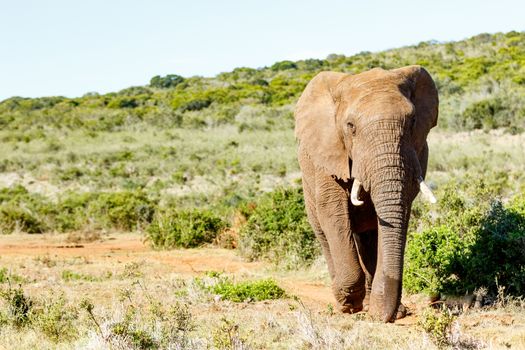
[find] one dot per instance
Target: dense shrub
(485, 114)
(28, 212)
(477, 241)
(277, 229)
(18, 306)
(52, 316)
(23, 211)
(169, 81)
(123, 210)
(184, 228)
(126, 210)
(195, 105)
(283, 65)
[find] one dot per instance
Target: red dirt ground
(129, 247)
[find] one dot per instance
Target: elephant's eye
(351, 128)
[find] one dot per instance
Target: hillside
(481, 81)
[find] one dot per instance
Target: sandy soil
(122, 248)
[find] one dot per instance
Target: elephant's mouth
(357, 187)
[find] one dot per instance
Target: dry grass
(127, 273)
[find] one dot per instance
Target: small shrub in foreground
(438, 324)
(248, 291)
(153, 325)
(184, 228)
(19, 306)
(55, 319)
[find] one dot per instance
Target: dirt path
(122, 248)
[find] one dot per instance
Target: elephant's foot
(401, 311)
(350, 302)
(375, 306)
(375, 309)
(349, 309)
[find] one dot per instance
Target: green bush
(248, 290)
(6, 276)
(485, 114)
(195, 105)
(438, 324)
(184, 228)
(13, 218)
(19, 306)
(33, 213)
(126, 210)
(477, 241)
(23, 211)
(72, 211)
(169, 81)
(277, 229)
(283, 65)
(54, 318)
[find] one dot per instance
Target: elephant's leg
(314, 222)
(367, 249)
(348, 283)
(308, 180)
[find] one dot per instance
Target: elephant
(363, 155)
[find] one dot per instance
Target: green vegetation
(19, 307)
(248, 290)
(68, 275)
(437, 324)
(28, 212)
(52, 316)
(278, 230)
(476, 241)
(6, 276)
(219, 284)
(483, 73)
(184, 228)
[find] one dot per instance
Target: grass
(251, 168)
(162, 302)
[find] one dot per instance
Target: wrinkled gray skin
(371, 127)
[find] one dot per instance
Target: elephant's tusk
(356, 186)
(426, 191)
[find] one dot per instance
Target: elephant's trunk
(393, 187)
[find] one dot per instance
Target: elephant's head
(372, 127)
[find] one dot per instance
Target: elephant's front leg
(348, 283)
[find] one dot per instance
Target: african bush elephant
(363, 155)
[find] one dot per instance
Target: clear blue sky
(69, 47)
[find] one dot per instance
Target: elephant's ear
(424, 96)
(316, 126)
